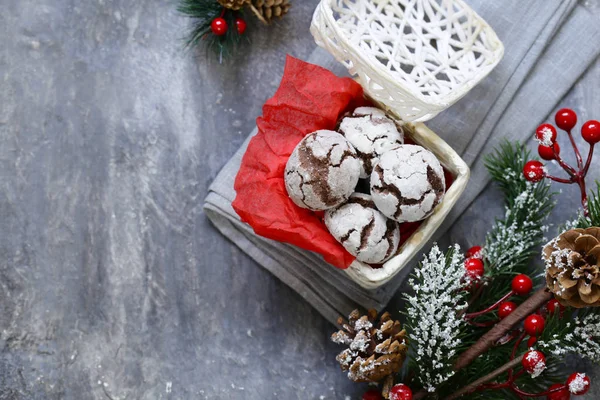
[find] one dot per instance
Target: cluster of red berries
(398, 392)
(474, 266)
(219, 26)
(548, 149)
(577, 384)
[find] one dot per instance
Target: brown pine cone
(375, 350)
(233, 4)
(267, 10)
(573, 267)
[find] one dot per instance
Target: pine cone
(233, 4)
(373, 353)
(573, 267)
(267, 10)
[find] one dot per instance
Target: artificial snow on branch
(579, 337)
(514, 240)
(434, 315)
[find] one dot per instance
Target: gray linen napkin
(549, 44)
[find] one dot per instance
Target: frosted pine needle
(514, 238)
(580, 337)
(434, 325)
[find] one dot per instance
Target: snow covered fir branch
(576, 335)
(434, 321)
(514, 240)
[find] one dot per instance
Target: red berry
(534, 171)
(219, 26)
(475, 268)
(534, 362)
(554, 306)
(546, 134)
(522, 285)
(241, 25)
(504, 309)
(578, 383)
(474, 252)
(547, 153)
(591, 131)
(562, 394)
(401, 392)
(372, 394)
(565, 119)
(534, 324)
(531, 341)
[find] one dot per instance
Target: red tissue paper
(309, 98)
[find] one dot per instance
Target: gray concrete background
(113, 284)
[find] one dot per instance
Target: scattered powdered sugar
(579, 384)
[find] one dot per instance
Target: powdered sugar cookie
(322, 171)
(363, 230)
(407, 183)
(371, 133)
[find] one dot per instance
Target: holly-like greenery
(203, 13)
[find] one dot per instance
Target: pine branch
(594, 211)
(505, 166)
(485, 379)
(432, 321)
(204, 12)
(572, 333)
(514, 240)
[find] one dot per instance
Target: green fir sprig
(515, 239)
(593, 219)
(203, 12)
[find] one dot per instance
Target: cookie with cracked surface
(408, 183)
(322, 171)
(371, 134)
(363, 230)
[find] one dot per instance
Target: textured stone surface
(113, 285)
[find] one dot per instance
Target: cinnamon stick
(485, 379)
(486, 341)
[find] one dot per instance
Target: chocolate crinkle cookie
(363, 230)
(322, 171)
(372, 134)
(407, 183)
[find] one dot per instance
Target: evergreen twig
(203, 12)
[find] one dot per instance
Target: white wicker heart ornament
(418, 57)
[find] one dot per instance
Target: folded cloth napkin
(549, 44)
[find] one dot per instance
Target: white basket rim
(440, 101)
